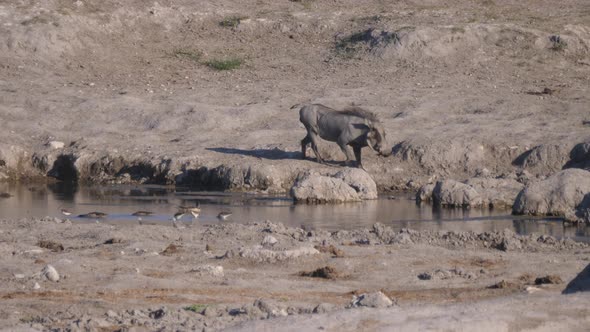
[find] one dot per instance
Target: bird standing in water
(193, 210)
(66, 212)
(94, 214)
(224, 215)
(142, 213)
(177, 216)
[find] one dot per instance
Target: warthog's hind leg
(304, 142)
(314, 147)
(357, 154)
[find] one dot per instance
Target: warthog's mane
(361, 113)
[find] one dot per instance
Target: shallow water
(401, 212)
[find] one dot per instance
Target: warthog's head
(377, 141)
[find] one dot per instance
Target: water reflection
(121, 201)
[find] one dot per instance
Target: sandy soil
(121, 277)
(459, 87)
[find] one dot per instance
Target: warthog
(353, 126)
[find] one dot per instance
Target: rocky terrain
(63, 276)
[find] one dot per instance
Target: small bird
(66, 212)
(188, 207)
(142, 213)
(94, 214)
(224, 215)
(195, 212)
(177, 216)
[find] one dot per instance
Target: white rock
(19, 276)
(36, 286)
(531, 289)
(266, 255)
(50, 273)
(111, 314)
(269, 240)
(215, 271)
(373, 300)
(56, 145)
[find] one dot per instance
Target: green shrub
(225, 64)
(198, 308)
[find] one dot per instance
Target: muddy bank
(220, 275)
(410, 167)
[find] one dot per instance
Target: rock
(579, 156)
(214, 271)
(456, 194)
(482, 173)
(210, 311)
(425, 193)
(544, 159)
(269, 241)
(56, 145)
(531, 289)
(51, 245)
(36, 286)
(315, 188)
(559, 195)
(50, 273)
(19, 276)
(401, 238)
(265, 255)
(331, 249)
(111, 314)
(270, 308)
(509, 244)
(372, 300)
(323, 308)
(360, 181)
(326, 272)
(497, 193)
(425, 276)
(550, 279)
(158, 314)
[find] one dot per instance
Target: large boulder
(558, 195)
(545, 159)
(360, 181)
(579, 156)
(349, 185)
(425, 193)
(583, 210)
(455, 194)
(481, 191)
(316, 188)
(497, 193)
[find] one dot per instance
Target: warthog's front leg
(344, 147)
(357, 154)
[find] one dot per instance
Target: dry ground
(117, 277)
(459, 87)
